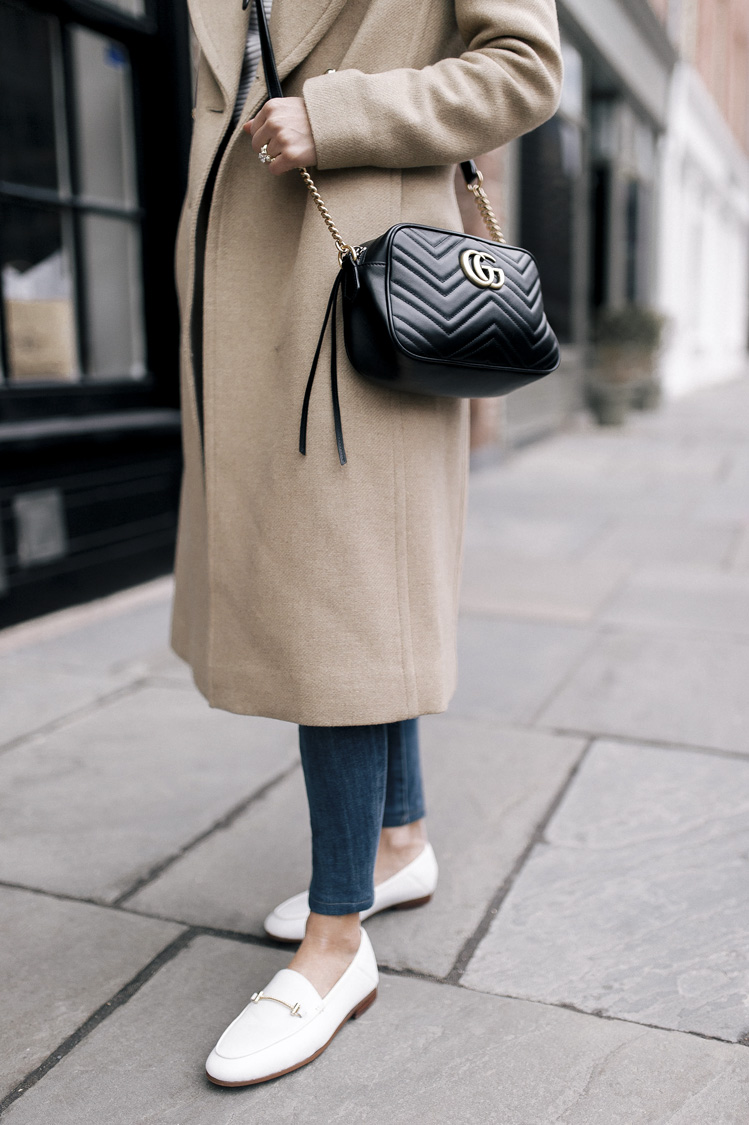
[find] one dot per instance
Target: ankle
(404, 837)
(334, 933)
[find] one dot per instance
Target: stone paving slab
(636, 904)
(667, 541)
(163, 664)
(486, 788)
(235, 877)
(121, 642)
(536, 537)
(681, 689)
(31, 698)
(59, 961)
(424, 1053)
(545, 589)
(605, 498)
(682, 597)
(727, 500)
(92, 807)
(740, 559)
(507, 670)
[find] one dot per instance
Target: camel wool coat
(305, 590)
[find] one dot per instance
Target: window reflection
(38, 296)
(111, 254)
(132, 7)
(103, 107)
(28, 149)
(71, 268)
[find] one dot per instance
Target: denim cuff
(318, 907)
(395, 820)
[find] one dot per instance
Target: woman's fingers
(282, 124)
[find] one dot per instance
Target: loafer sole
(359, 1010)
(396, 906)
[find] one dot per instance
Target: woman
(322, 594)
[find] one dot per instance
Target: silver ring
(263, 156)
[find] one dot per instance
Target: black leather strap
(266, 50)
(330, 316)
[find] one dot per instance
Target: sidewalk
(586, 958)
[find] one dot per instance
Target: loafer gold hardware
(258, 996)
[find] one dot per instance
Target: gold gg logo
(473, 265)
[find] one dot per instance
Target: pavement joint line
(602, 628)
(631, 568)
(121, 997)
(598, 1013)
(224, 821)
(61, 896)
(242, 938)
(691, 632)
(122, 691)
(733, 549)
(155, 680)
(472, 943)
(573, 669)
(186, 938)
(211, 931)
(639, 740)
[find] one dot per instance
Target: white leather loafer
(413, 885)
(289, 1024)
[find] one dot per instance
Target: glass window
(37, 282)
(111, 253)
(132, 7)
(573, 86)
(104, 118)
(28, 145)
(70, 225)
(551, 165)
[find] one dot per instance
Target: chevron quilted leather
(415, 321)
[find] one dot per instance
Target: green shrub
(630, 326)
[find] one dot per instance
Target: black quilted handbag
(430, 311)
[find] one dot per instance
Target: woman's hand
(282, 124)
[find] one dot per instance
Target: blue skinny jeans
(359, 780)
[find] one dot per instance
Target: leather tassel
(330, 316)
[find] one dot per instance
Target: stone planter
(608, 402)
(621, 377)
(647, 395)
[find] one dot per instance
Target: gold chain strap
(485, 208)
(476, 189)
(342, 247)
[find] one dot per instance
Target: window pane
(27, 103)
(38, 295)
(551, 165)
(132, 7)
(111, 255)
(104, 117)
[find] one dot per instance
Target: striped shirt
(250, 61)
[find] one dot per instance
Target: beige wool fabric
(308, 591)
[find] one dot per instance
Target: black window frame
(158, 46)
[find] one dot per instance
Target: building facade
(94, 133)
(703, 216)
(636, 191)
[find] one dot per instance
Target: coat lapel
(296, 26)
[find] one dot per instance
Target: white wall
(703, 241)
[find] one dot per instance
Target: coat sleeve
(507, 82)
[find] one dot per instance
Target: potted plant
(623, 373)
